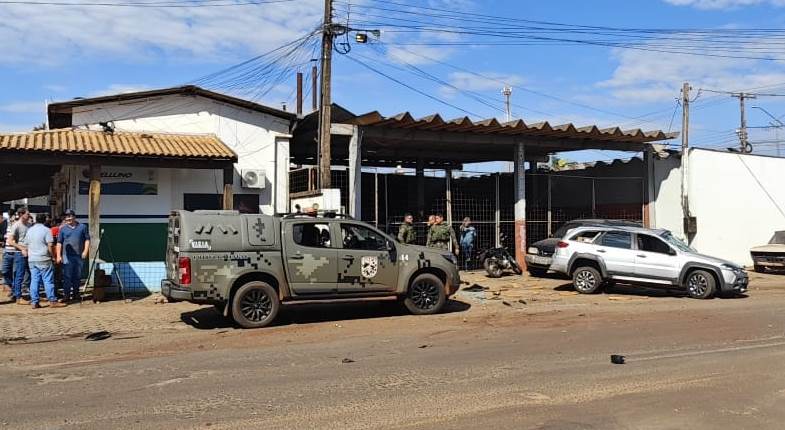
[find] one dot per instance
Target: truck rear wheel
(255, 305)
(426, 295)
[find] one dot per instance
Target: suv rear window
(617, 239)
(587, 236)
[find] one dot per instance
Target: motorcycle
(497, 260)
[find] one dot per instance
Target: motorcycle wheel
(493, 268)
(516, 267)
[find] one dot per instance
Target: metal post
(376, 199)
(355, 173)
(228, 195)
(520, 203)
(420, 179)
(550, 216)
(593, 198)
(448, 200)
(498, 213)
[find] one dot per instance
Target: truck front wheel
(255, 305)
(426, 295)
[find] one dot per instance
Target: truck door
(367, 260)
(310, 256)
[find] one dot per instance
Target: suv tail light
(562, 244)
(184, 263)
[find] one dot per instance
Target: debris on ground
(568, 293)
(523, 302)
(506, 303)
(475, 288)
(160, 300)
(98, 335)
(347, 361)
(617, 359)
(424, 346)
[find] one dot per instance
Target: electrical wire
(160, 4)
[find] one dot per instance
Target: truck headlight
(451, 258)
(534, 251)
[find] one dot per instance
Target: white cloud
(724, 4)
(52, 35)
(643, 77)
(488, 82)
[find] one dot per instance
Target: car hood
(769, 248)
(712, 260)
(548, 244)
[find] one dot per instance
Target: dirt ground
(513, 352)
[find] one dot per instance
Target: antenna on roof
(507, 92)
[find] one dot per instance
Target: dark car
(539, 254)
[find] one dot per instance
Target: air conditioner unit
(252, 178)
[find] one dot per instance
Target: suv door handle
(296, 257)
(641, 256)
(348, 257)
(600, 250)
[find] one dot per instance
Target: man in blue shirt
(73, 242)
(38, 247)
(468, 237)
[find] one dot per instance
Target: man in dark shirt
(8, 257)
(73, 242)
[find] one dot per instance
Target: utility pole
(685, 157)
(743, 136)
(325, 113)
(507, 92)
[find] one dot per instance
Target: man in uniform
(406, 233)
(442, 236)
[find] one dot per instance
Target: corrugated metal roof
(518, 127)
(140, 144)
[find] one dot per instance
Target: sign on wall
(122, 181)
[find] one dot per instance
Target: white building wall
(739, 201)
(251, 134)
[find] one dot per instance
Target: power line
(418, 91)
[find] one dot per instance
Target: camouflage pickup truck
(246, 265)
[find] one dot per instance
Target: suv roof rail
(321, 214)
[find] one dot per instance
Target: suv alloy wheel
(701, 285)
(587, 280)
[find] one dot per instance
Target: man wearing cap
(73, 242)
(39, 247)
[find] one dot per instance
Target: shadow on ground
(641, 290)
(207, 318)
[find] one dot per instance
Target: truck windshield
(677, 243)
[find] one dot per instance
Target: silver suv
(595, 256)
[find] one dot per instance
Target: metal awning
(403, 139)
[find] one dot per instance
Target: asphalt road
(689, 364)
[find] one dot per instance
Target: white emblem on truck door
(370, 265)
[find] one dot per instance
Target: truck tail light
(184, 263)
(562, 244)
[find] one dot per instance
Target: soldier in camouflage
(406, 233)
(442, 236)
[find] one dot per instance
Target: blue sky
(57, 53)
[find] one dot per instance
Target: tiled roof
(513, 128)
(140, 144)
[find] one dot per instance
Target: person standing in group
(39, 248)
(8, 261)
(406, 233)
(468, 237)
(442, 236)
(73, 243)
(55, 229)
(14, 239)
(429, 227)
